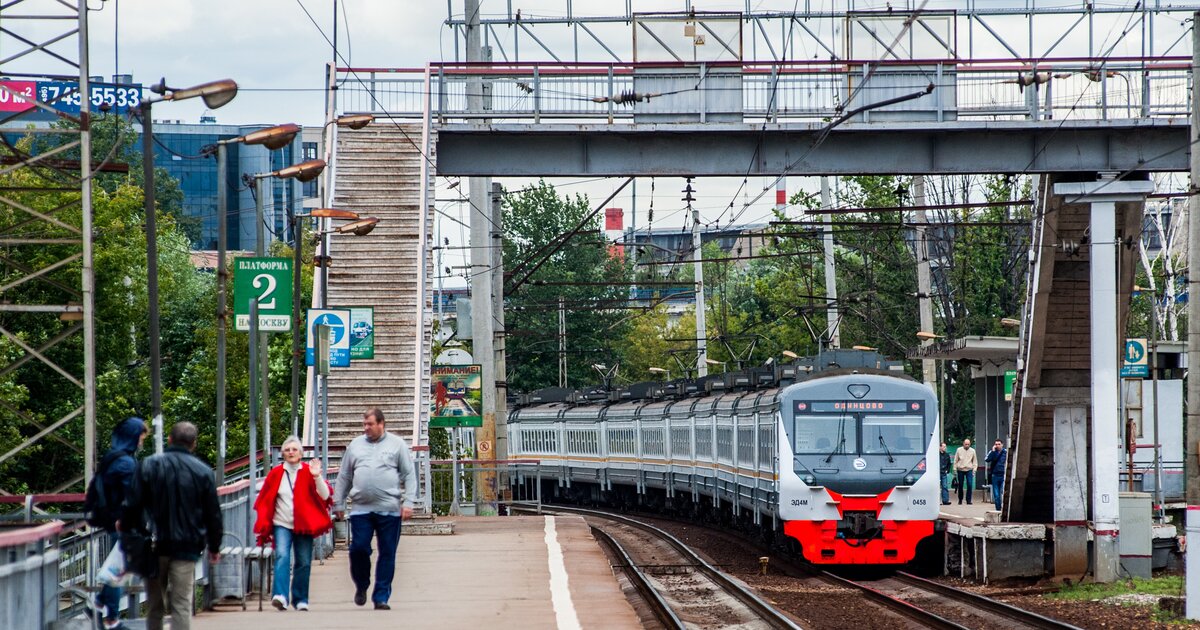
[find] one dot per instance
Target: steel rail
(740, 592)
(917, 614)
(1012, 613)
(659, 607)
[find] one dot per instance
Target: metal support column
(1103, 196)
(924, 283)
(833, 333)
(497, 252)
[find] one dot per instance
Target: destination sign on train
(840, 406)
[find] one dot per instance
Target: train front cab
(847, 496)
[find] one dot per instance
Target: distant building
(177, 145)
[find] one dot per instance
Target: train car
(853, 482)
(829, 452)
(456, 390)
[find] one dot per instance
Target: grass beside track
(1165, 585)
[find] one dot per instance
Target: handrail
(26, 535)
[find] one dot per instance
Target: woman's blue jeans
(289, 545)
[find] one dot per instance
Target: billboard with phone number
(64, 96)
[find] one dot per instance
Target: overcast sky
(277, 54)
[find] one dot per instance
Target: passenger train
(837, 452)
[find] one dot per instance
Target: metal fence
(482, 486)
(29, 577)
(1112, 88)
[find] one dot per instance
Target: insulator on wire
(625, 97)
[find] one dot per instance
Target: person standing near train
(996, 459)
(944, 467)
(965, 463)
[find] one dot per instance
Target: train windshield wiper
(886, 449)
(841, 439)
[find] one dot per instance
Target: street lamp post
(272, 138)
(215, 94)
(303, 172)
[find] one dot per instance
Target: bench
(251, 556)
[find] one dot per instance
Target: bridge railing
(1113, 88)
(29, 590)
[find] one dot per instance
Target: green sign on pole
(1010, 376)
(269, 280)
(362, 332)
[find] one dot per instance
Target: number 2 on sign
(269, 281)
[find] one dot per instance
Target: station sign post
(269, 281)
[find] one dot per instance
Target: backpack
(95, 500)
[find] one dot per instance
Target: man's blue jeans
(110, 596)
(288, 545)
(966, 485)
(386, 530)
(946, 487)
(997, 490)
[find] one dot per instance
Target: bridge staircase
(1054, 372)
(377, 173)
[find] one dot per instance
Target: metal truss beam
(48, 40)
(553, 150)
(1015, 30)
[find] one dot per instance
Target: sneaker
(302, 606)
(116, 625)
(382, 606)
(360, 597)
(279, 602)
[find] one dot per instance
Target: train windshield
(893, 434)
(826, 434)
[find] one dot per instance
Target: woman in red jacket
(293, 507)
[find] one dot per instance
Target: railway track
(681, 588)
(921, 602)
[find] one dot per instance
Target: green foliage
(1164, 585)
(36, 395)
(533, 217)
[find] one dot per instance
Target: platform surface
(494, 572)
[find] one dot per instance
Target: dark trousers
(966, 485)
(386, 530)
(997, 490)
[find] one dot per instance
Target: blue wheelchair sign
(339, 345)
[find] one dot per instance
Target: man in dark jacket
(996, 460)
(175, 496)
(945, 468)
(116, 475)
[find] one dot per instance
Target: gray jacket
(376, 476)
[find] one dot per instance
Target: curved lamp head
(333, 213)
(362, 227)
(273, 138)
(355, 121)
(304, 171)
(214, 93)
(789, 354)
(864, 348)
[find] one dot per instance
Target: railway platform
(514, 571)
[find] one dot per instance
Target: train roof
(773, 375)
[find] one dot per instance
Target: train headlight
(809, 479)
(910, 480)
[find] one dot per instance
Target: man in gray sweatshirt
(378, 476)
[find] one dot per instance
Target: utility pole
(698, 261)
(497, 252)
(924, 284)
(1192, 430)
(562, 343)
(833, 332)
(482, 323)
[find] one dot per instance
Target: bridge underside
(1046, 146)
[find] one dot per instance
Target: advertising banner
(362, 333)
(457, 396)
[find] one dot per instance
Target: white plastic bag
(112, 572)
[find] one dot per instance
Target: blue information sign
(338, 321)
(1135, 364)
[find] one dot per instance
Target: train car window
(826, 434)
(893, 433)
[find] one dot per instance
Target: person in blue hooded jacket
(116, 470)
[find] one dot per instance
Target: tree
(534, 217)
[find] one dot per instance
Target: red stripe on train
(820, 544)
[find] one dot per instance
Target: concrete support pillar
(1070, 491)
(1192, 528)
(1103, 196)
